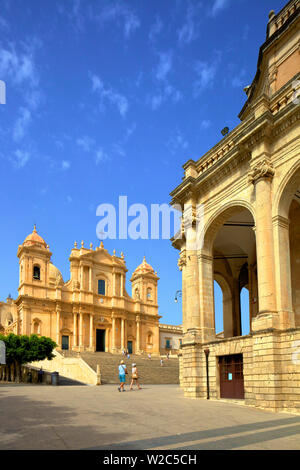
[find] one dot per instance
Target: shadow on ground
(34, 424)
(263, 431)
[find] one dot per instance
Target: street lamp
(177, 294)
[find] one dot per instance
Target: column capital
(262, 169)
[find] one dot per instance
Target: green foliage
(23, 349)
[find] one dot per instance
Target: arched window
(149, 338)
(101, 287)
(36, 272)
(149, 293)
(36, 327)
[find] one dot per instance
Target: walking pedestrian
(134, 377)
(40, 375)
(161, 362)
(149, 356)
(122, 376)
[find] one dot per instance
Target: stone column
(122, 333)
(58, 313)
(113, 334)
(283, 272)
(182, 267)
(137, 343)
(122, 284)
(81, 277)
(80, 330)
(261, 176)
(90, 279)
(26, 320)
(206, 293)
(236, 308)
(114, 284)
(74, 329)
(91, 331)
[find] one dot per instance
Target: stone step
(150, 371)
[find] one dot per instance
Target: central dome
(55, 274)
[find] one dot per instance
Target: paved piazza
(156, 417)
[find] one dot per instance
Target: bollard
(98, 375)
(54, 378)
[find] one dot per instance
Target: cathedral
(92, 310)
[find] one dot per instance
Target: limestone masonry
(248, 186)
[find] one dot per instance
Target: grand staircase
(150, 371)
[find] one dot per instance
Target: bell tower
(144, 284)
(34, 258)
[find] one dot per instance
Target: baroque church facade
(90, 312)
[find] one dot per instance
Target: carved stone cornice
(281, 221)
(263, 169)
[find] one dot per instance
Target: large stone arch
(286, 191)
(218, 218)
(286, 238)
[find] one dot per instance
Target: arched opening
(245, 312)
(149, 293)
(233, 249)
(36, 272)
(9, 319)
(37, 326)
(287, 248)
(218, 304)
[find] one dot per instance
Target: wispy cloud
(3, 24)
(21, 124)
(101, 156)
(65, 165)
(205, 124)
(108, 94)
(238, 80)
(189, 31)
(165, 91)
(18, 67)
(155, 29)
(74, 13)
(218, 6)
(177, 142)
(85, 143)
(206, 73)
(162, 95)
(20, 158)
(164, 65)
(121, 14)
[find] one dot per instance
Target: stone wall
(271, 367)
(71, 367)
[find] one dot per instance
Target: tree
(22, 349)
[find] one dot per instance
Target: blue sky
(109, 98)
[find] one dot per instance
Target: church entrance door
(100, 340)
